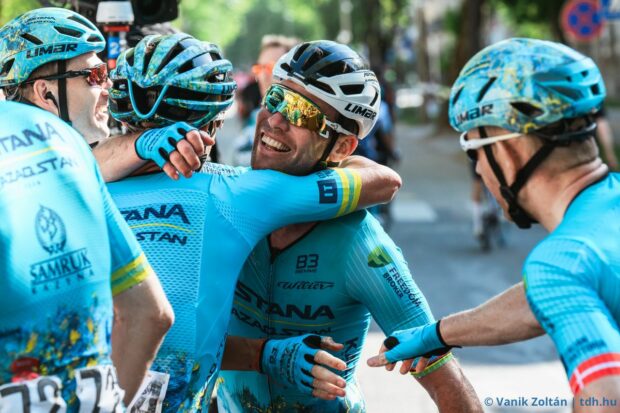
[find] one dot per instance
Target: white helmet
(337, 75)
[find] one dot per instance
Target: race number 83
(97, 390)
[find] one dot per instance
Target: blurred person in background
(525, 109)
(248, 103)
(72, 83)
(327, 278)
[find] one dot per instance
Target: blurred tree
(12, 8)
(533, 18)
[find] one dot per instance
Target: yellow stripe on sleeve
(345, 191)
(356, 190)
(130, 275)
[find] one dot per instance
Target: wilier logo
(379, 257)
(62, 268)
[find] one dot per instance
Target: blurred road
(433, 228)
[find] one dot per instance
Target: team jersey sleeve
(378, 276)
(563, 280)
(129, 264)
(273, 199)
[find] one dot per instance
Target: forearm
(379, 183)
(142, 316)
(506, 318)
(117, 157)
(450, 390)
(242, 353)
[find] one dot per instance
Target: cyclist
(198, 232)
(327, 278)
(526, 108)
(65, 251)
(47, 59)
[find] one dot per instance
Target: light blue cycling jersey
(329, 282)
(61, 240)
(572, 283)
(197, 233)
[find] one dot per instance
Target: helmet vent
(374, 99)
(568, 92)
(485, 89)
(336, 68)
(93, 38)
(300, 50)
(215, 56)
(69, 32)
(527, 109)
(7, 67)
(31, 38)
(145, 98)
(352, 89)
(316, 56)
(584, 73)
(172, 53)
(457, 96)
(130, 56)
(81, 20)
(596, 90)
(321, 85)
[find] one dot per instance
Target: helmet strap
(510, 193)
(62, 93)
(323, 163)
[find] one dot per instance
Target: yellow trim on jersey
(357, 189)
(290, 323)
(130, 275)
(351, 188)
(345, 192)
(160, 224)
(27, 155)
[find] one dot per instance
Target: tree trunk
(468, 43)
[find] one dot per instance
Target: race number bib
(97, 390)
(151, 395)
(41, 395)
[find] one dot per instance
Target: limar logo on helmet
(51, 49)
(474, 113)
(360, 110)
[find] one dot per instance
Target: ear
(345, 146)
(512, 155)
(39, 96)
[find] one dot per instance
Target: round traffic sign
(582, 19)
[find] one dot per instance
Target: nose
(277, 120)
(108, 84)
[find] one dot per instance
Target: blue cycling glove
(290, 360)
(157, 144)
(425, 341)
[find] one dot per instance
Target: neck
(547, 196)
(285, 236)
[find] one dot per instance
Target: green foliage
(531, 18)
(10, 9)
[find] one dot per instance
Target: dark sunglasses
(95, 76)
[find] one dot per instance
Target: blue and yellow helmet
(42, 36)
(171, 78)
(523, 85)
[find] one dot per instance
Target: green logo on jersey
(379, 258)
